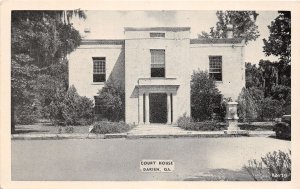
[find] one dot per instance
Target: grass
(41, 128)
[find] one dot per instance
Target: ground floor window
(99, 69)
(98, 108)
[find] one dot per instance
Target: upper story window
(215, 67)
(157, 62)
(157, 35)
(99, 69)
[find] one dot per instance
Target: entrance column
(147, 108)
(141, 108)
(169, 108)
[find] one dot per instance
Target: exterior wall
(137, 65)
(129, 63)
(233, 67)
(81, 67)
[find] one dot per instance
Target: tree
(254, 76)
(243, 25)
(269, 85)
(279, 41)
(205, 96)
(39, 40)
(248, 106)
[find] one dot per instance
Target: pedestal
(232, 120)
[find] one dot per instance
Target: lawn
(43, 128)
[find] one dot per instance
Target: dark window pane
(157, 72)
(99, 78)
(216, 76)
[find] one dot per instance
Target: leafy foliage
(243, 25)
(270, 109)
(248, 106)
(269, 85)
(105, 127)
(112, 100)
(187, 123)
(205, 97)
(279, 41)
(40, 41)
(274, 166)
(70, 108)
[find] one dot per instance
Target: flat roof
(102, 42)
(216, 41)
(174, 29)
(192, 41)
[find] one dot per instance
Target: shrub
(247, 106)
(205, 97)
(187, 123)
(105, 127)
(69, 129)
(270, 109)
(70, 108)
(26, 115)
(274, 166)
(111, 98)
(184, 121)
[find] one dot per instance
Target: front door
(158, 107)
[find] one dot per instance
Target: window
(157, 62)
(98, 108)
(99, 74)
(157, 34)
(215, 67)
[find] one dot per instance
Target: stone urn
(232, 119)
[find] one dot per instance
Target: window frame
(99, 69)
(157, 66)
(212, 70)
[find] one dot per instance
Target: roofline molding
(192, 41)
(174, 29)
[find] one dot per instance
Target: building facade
(154, 67)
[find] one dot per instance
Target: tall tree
(243, 25)
(279, 41)
(39, 40)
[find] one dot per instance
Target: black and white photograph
(150, 95)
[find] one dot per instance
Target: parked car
(283, 127)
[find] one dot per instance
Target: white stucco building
(154, 65)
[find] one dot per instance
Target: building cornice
(102, 42)
(174, 29)
(192, 41)
(216, 41)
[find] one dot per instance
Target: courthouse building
(154, 67)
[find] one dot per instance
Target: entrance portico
(156, 100)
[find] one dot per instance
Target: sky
(110, 25)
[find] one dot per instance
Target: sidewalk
(143, 131)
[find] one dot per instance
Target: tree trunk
(12, 127)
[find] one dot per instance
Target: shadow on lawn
(222, 175)
(274, 137)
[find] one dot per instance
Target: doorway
(158, 107)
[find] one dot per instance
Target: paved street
(118, 159)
